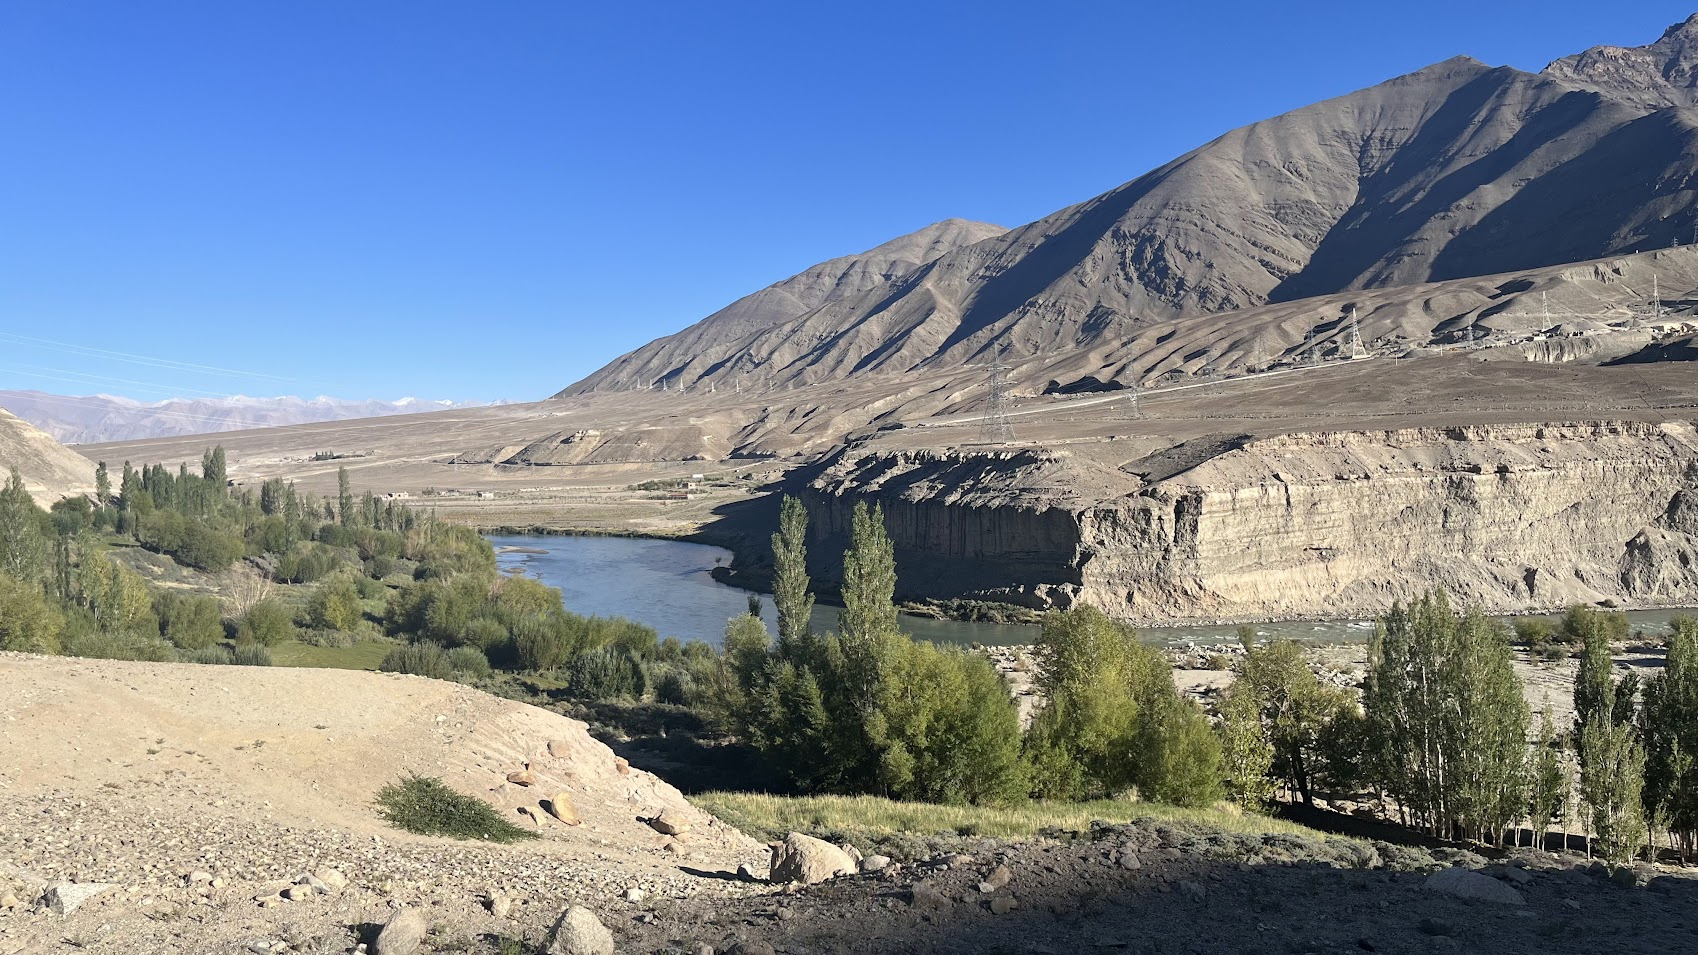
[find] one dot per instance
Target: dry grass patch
(766, 817)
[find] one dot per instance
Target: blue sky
(458, 200)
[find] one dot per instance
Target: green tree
(1669, 727)
(1247, 755)
(23, 545)
(212, 468)
(188, 621)
(1592, 687)
(790, 593)
(1446, 724)
(1612, 774)
(28, 622)
(1296, 709)
(1548, 784)
(344, 498)
(102, 486)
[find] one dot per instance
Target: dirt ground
(202, 796)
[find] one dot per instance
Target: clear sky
(490, 200)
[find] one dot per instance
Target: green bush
(216, 655)
(419, 659)
(673, 686)
(267, 623)
(335, 639)
(28, 623)
(335, 604)
(188, 621)
(468, 662)
(117, 646)
(250, 655)
(426, 806)
(606, 673)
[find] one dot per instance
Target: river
(669, 586)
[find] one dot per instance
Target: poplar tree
(1548, 786)
(23, 546)
(102, 486)
(1446, 721)
(1247, 755)
(1669, 727)
(1612, 773)
(790, 594)
(344, 498)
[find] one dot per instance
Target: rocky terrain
(164, 808)
(50, 470)
(89, 419)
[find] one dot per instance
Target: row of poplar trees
(1445, 733)
(866, 709)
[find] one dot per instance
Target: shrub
(335, 604)
(250, 655)
(189, 622)
(267, 623)
(674, 687)
(606, 673)
(216, 655)
(426, 806)
(419, 659)
(335, 639)
(118, 646)
(468, 661)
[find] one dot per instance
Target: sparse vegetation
(427, 806)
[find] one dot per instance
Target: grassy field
(764, 816)
(365, 655)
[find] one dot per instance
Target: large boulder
(403, 934)
(808, 860)
(1465, 884)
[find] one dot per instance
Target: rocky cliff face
(1301, 525)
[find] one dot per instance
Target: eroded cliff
(1512, 517)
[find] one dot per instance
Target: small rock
(1003, 904)
(318, 884)
(559, 748)
(1467, 884)
(669, 823)
(956, 858)
(747, 874)
(702, 949)
(333, 878)
(299, 893)
(403, 933)
(579, 932)
(560, 807)
(499, 905)
(924, 896)
(197, 878)
(807, 860)
(635, 895)
(1432, 926)
(875, 863)
(523, 777)
(998, 878)
(1518, 876)
(622, 766)
(1625, 877)
(752, 948)
(1572, 904)
(1129, 860)
(63, 898)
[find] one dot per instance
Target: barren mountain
(90, 419)
(715, 338)
(50, 470)
(1456, 170)
(1662, 74)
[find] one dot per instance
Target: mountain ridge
(1455, 170)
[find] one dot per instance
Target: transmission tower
(1133, 411)
(995, 429)
(1356, 349)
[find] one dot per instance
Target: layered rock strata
(1510, 517)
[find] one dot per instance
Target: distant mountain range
(93, 419)
(1455, 171)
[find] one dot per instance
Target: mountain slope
(845, 277)
(92, 419)
(50, 470)
(1453, 171)
(1664, 73)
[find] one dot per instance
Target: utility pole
(1356, 349)
(995, 429)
